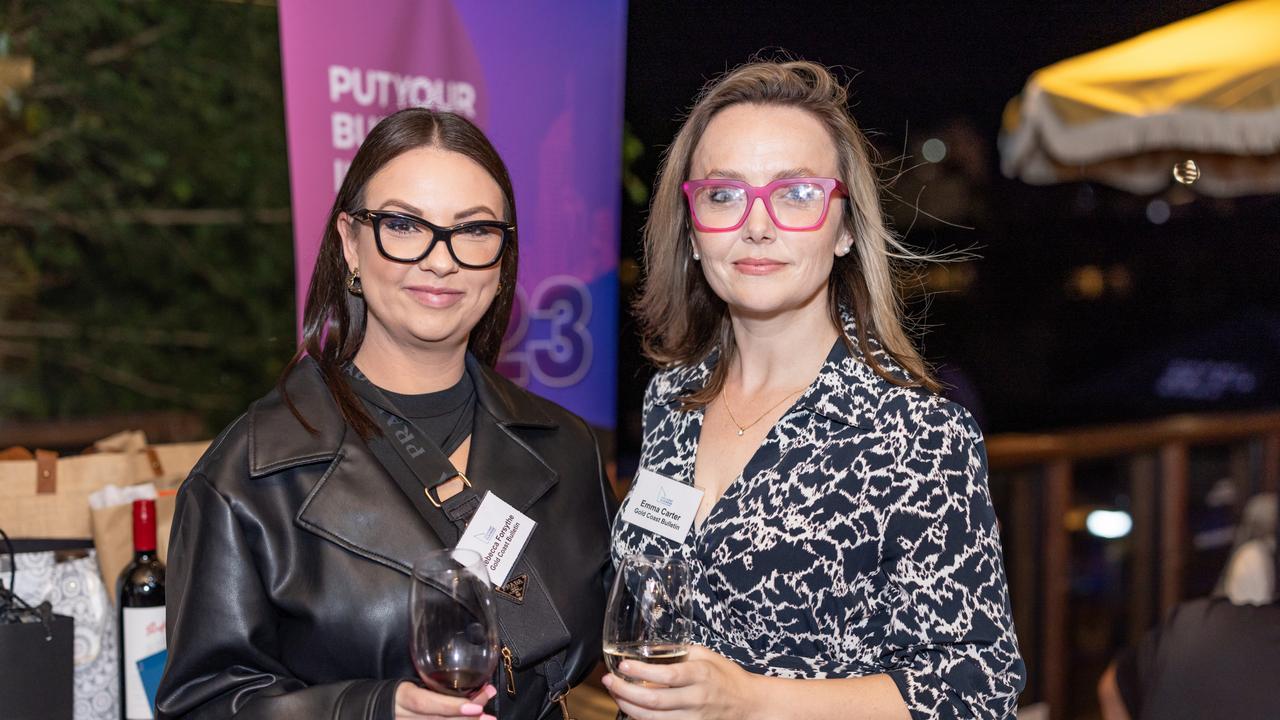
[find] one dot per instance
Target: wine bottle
(140, 593)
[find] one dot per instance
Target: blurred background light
(1108, 524)
(1088, 282)
(934, 150)
(1158, 211)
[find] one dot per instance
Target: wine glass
(647, 618)
(454, 624)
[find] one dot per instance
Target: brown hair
(333, 322)
(682, 319)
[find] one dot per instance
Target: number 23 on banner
(560, 356)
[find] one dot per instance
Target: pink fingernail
(488, 717)
(472, 709)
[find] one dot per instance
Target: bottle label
(143, 636)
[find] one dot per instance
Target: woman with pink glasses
(842, 548)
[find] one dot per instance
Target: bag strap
(419, 466)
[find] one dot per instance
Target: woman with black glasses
(294, 536)
(841, 544)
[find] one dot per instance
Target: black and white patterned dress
(859, 539)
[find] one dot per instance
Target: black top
(445, 416)
(1210, 659)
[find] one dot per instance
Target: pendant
(740, 431)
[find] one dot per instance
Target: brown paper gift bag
(167, 462)
(113, 534)
(48, 497)
(166, 466)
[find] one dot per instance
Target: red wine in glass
(459, 683)
(453, 622)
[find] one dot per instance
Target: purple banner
(544, 79)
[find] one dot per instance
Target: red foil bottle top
(144, 525)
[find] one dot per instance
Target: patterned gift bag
(74, 588)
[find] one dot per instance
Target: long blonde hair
(682, 319)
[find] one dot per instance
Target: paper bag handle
(153, 459)
(46, 472)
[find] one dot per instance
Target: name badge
(662, 505)
(498, 532)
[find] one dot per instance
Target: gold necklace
(724, 398)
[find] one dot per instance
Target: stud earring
(353, 283)
(696, 254)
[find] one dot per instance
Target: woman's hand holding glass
(415, 703)
(707, 686)
(647, 619)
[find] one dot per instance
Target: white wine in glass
(658, 653)
(647, 619)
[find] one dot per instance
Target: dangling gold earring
(498, 290)
(353, 283)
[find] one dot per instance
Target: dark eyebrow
(402, 205)
(460, 215)
(472, 211)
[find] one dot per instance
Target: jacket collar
(509, 405)
(846, 390)
(277, 440)
(375, 519)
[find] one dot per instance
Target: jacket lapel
(355, 503)
(503, 458)
(358, 506)
(503, 462)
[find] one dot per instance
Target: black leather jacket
(288, 579)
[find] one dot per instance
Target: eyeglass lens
(795, 205)
(406, 239)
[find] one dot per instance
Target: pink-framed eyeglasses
(794, 204)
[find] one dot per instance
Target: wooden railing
(1037, 472)
(75, 435)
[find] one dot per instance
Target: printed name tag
(662, 505)
(498, 532)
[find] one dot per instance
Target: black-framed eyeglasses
(406, 238)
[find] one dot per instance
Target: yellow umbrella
(1206, 89)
